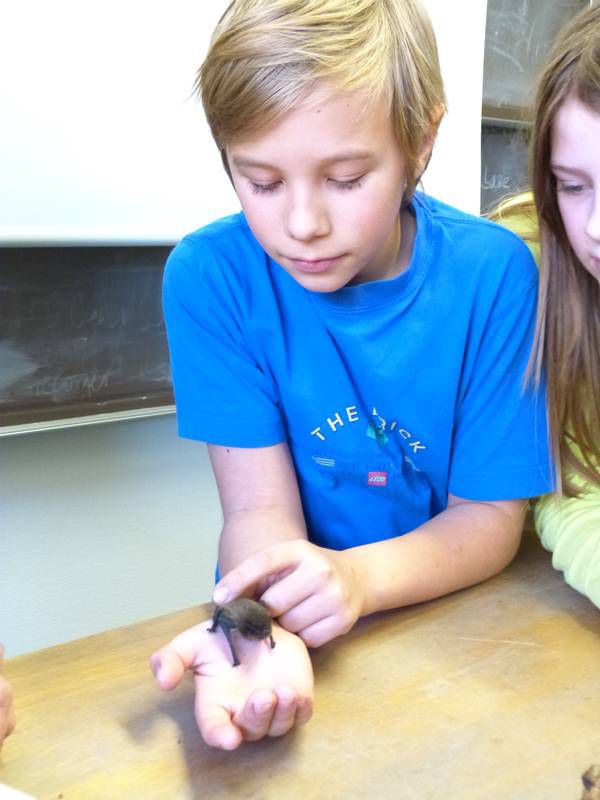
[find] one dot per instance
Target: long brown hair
(567, 337)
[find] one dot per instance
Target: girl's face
(575, 162)
(321, 190)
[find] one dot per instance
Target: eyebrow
(347, 155)
(568, 170)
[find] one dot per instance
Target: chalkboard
(517, 38)
(518, 35)
(81, 332)
(504, 170)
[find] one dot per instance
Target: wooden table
(493, 692)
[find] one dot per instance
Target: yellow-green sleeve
(520, 217)
(569, 527)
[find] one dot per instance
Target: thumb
(185, 651)
(168, 668)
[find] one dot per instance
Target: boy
(352, 351)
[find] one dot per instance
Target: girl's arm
(570, 529)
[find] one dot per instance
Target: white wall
(102, 526)
(101, 142)
(454, 174)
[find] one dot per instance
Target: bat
(250, 618)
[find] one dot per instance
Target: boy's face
(576, 166)
(321, 190)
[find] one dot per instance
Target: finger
(284, 716)
(215, 724)
(304, 710)
(273, 559)
(167, 667)
(290, 592)
(322, 632)
(304, 615)
(170, 662)
(254, 720)
(6, 695)
(7, 712)
(9, 726)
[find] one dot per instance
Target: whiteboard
(102, 143)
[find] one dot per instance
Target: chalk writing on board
(82, 332)
(65, 385)
(504, 164)
(494, 181)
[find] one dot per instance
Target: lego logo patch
(377, 479)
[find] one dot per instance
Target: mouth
(314, 265)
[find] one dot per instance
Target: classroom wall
(105, 525)
(101, 526)
(102, 142)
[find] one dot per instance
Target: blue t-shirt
(390, 394)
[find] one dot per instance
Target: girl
(565, 163)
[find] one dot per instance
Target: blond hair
(567, 338)
(267, 55)
(519, 214)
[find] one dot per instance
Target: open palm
(269, 693)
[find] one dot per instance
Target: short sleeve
(222, 394)
(500, 442)
(570, 529)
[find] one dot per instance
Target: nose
(592, 227)
(307, 216)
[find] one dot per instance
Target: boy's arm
(465, 544)
(260, 500)
(320, 593)
(272, 692)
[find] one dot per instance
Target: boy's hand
(7, 711)
(269, 693)
(312, 591)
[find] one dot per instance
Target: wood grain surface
(493, 692)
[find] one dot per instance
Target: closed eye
(270, 188)
(264, 188)
(570, 188)
(354, 183)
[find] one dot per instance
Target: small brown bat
(250, 618)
